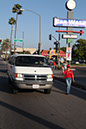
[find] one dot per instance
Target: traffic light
(0, 41)
(56, 46)
(50, 37)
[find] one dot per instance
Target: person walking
(65, 65)
(69, 77)
(54, 65)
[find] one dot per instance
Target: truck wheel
(47, 91)
(14, 91)
(9, 85)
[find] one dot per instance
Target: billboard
(61, 22)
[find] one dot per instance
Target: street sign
(62, 22)
(69, 40)
(80, 32)
(69, 36)
(68, 53)
(18, 40)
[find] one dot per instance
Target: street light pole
(39, 44)
(23, 41)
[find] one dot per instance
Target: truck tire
(14, 91)
(47, 91)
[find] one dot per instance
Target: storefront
(52, 54)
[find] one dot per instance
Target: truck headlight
(49, 76)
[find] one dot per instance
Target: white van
(29, 72)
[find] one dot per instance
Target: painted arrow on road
(81, 31)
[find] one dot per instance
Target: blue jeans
(68, 82)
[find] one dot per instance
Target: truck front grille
(35, 77)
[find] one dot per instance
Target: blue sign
(76, 23)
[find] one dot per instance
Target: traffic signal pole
(56, 43)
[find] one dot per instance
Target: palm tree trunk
(15, 32)
(11, 38)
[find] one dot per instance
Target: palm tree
(5, 46)
(16, 9)
(12, 22)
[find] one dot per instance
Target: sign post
(69, 23)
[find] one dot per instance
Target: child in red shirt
(69, 77)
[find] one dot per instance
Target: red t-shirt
(54, 63)
(68, 74)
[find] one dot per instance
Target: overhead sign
(68, 53)
(69, 36)
(18, 40)
(80, 32)
(77, 23)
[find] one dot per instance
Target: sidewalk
(80, 80)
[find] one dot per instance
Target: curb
(78, 85)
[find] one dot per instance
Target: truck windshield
(31, 61)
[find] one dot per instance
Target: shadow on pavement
(30, 116)
(4, 84)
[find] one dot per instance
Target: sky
(28, 22)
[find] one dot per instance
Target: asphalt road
(32, 109)
(79, 76)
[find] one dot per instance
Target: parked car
(29, 72)
(82, 61)
(75, 62)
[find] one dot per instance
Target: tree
(27, 52)
(16, 9)
(12, 22)
(5, 46)
(63, 49)
(79, 50)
